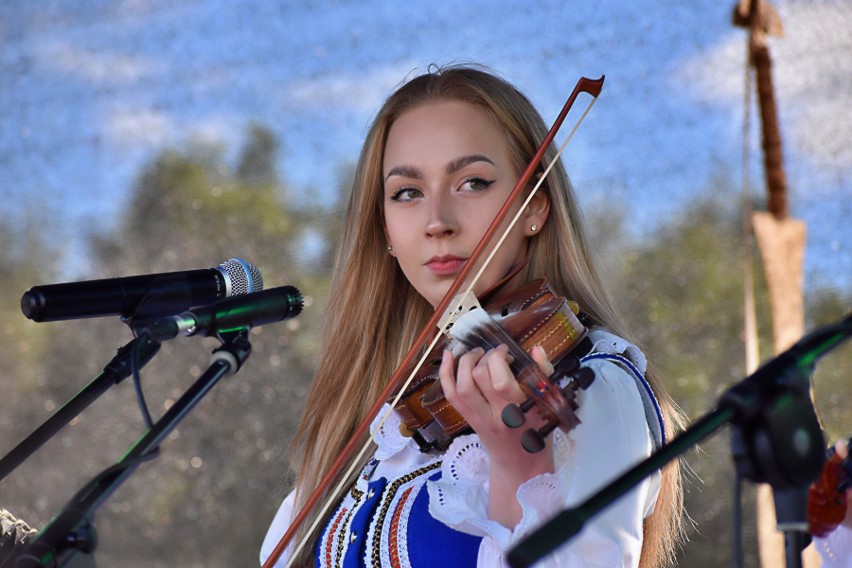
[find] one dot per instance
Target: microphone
(269, 306)
(151, 295)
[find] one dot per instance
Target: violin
(531, 315)
(827, 503)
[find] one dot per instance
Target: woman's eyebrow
(453, 166)
(405, 171)
(463, 161)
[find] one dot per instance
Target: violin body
(827, 501)
(530, 316)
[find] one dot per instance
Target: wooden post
(782, 247)
(781, 241)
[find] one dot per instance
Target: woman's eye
(477, 184)
(405, 194)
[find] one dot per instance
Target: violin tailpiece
(461, 304)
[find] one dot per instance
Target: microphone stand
(777, 439)
(113, 373)
(169, 293)
(71, 531)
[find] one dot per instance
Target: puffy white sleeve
(280, 523)
(836, 548)
(612, 437)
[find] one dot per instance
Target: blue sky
(90, 90)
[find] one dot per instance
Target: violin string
(526, 202)
(481, 329)
(336, 491)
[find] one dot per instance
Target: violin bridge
(461, 304)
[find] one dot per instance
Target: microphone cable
(137, 379)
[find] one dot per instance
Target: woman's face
(447, 170)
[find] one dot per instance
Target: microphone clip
(776, 437)
(234, 350)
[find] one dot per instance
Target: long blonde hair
(374, 314)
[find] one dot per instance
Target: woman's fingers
(498, 383)
(483, 382)
(539, 355)
(458, 385)
(479, 385)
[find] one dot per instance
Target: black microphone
(269, 306)
(149, 295)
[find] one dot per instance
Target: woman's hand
(481, 386)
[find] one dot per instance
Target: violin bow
(584, 85)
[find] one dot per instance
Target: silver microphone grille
(241, 277)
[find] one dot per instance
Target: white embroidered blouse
(612, 436)
(615, 433)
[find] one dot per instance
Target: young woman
(443, 154)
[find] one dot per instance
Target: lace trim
(460, 497)
(466, 459)
(397, 548)
(386, 538)
(387, 436)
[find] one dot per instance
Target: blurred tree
(682, 292)
(257, 163)
(24, 343)
(208, 498)
(210, 495)
(832, 394)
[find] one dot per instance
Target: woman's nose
(441, 221)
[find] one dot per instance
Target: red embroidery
(393, 540)
(332, 531)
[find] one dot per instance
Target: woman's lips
(445, 265)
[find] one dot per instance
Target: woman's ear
(536, 213)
